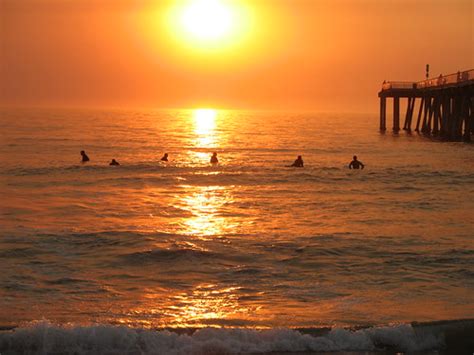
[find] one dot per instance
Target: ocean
(247, 256)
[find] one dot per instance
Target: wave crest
(43, 337)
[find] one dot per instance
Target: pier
(445, 106)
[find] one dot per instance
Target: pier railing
(442, 80)
(398, 85)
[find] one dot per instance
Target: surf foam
(44, 337)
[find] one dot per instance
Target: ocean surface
(113, 255)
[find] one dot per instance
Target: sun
(209, 25)
(207, 20)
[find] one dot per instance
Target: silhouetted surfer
(114, 162)
(165, 157)
(298, 162)
(85, 158)
(356, 164)
(214, 159)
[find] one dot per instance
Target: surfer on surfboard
(85, 158)
(298, 162)
(356, 164)
(214, 159)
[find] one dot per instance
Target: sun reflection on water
(206, 204)
(206, 303)
(205, 120)
(204, 127)
(206, 137)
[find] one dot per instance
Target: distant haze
(297, 54)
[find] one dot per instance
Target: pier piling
(383, 112)
(396, 114)
(420, 112)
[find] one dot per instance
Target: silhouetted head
(214, 154)
(166, 155)
(299, 157)
(83, 152)
(354, 157)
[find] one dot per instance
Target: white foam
(43, 337)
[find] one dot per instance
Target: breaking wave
(44, 337)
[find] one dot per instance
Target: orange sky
(295, 54)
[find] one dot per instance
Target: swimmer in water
(298, 162)
(114, 162)
(85, 158)
(165, 157)
(356, 164)
(214, 159)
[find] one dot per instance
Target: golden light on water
(204, 305)
(204, 120)
(207, 302)
(206, 203)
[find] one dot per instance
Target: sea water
(99, 255)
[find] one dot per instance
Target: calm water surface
(249, 242)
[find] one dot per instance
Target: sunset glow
(223, 53)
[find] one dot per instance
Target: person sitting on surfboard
(298, 162)
(165, 157)
(85, 158)
(214, 159)
(114, 162)
(356, 164)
